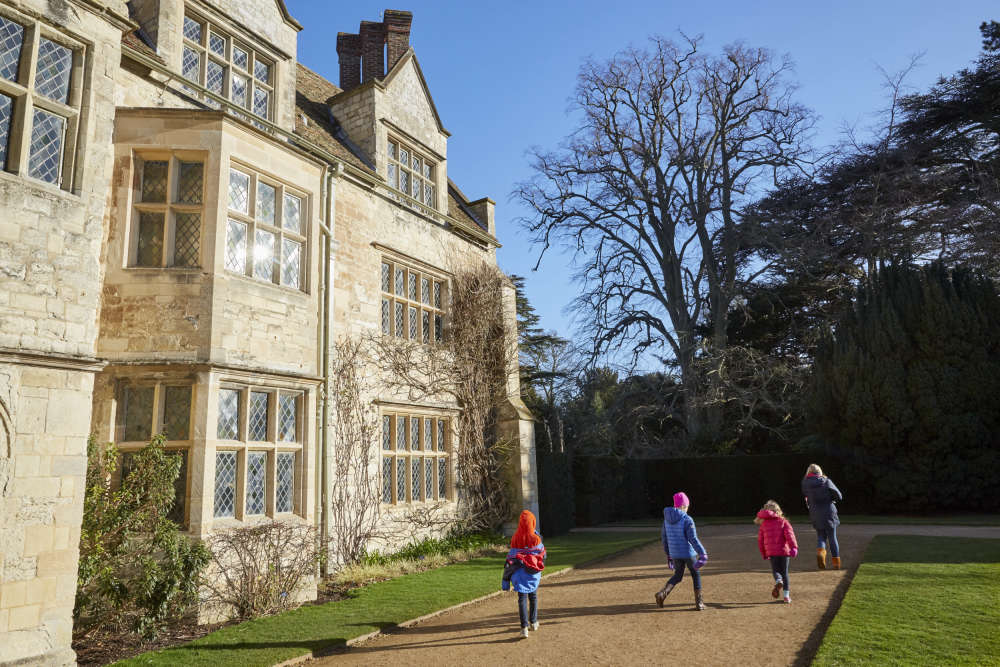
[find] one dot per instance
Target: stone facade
(213, 218)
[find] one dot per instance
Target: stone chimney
(397, 25)
(372, 51)
(484, 209)
(349, 54)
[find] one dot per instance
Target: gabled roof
(398, 67)
(314, 122)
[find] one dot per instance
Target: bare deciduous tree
(649, 191)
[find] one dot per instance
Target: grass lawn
(849, 519)
(919, 601)
(272, 640)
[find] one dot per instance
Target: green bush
(137, 571)
(430, 546)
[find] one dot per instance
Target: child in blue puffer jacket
(683, 549)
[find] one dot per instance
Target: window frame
(276, 227)
(395, 453)
(395, 169)
(207, 55)
(169, 208)
(25, 100)
(272, 447)
(436, 308)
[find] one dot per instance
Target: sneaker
(787, 600)
(524, 632)
(776, 591)
(534, 626)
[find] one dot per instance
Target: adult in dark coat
(821, 496)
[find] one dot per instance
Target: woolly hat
(681, 499)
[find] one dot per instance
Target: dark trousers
(527, 608)
(779, 568)
(679, 565)
(828, 535)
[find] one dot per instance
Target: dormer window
(227, 67)
(410, 172)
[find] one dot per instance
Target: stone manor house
(189, 218)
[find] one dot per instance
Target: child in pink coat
(776, 541)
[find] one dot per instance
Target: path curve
(604, 614)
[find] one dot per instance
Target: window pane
(265, 202)
(428, 479)
(154, 181)
(392, 150)
(386, 317)
(292, 214)
(428, 195)
(442, 478)
(236, 246)
(239, 91)
(286, 481)
(400, 281)
(225, 484)
(404, 157)
(413, 323)
(240, 58)
(258, 416)
(191, 64)
(256, 476)
(415, 434)
(176, 512)
(416, 188)
(437, 295)
(55, 63)
(217, 43)
(425, 290)
(401, 423)
(426, 326)
(11, 41)
(261, 102)
(189, 181)
(263, 255)
(215, 77)
(291, 252)
(404, 181)
(438, 328)
(400, 480)
(428, 435)
(387, 479)
(187, 239)
(239, 191)
(287, 413)
(177, 413)
(427, 171)
(416, 485)
(46, 146)
(229, 414)
(440, 439)
(391, 174)
(192, 29)
(413, 287)
(6, 112)
(261, 71)
(386, 432)
(138, 414)
(416, 165)
(386, 276)
(149, 251)
(399, 319)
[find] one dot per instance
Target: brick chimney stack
(372, 50)
(397, 25)
(349, 54)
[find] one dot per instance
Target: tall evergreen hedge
(907, 389)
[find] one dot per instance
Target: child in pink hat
(683, 549)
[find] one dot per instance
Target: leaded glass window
(168, 213)
(415, 434)
(278, 249)
(205, 42)
(236, 246)
(177, 412)
(138, 408)
(11, 42)
(154, 408)
(286, 482)
(387, 479)
(229, 414)
(442, 478)
(55, 63)
(386, 432)
(407, 310)
(428, 434)
(401, 424)
(47, 134)
(414, 476)
(416, 485)
(225, 484)
(6, 113)
(428, 478)
(401, 474)
(411, 173)
(258, 412)
(440, 432)
(256, 482)
(287, 415)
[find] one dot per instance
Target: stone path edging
(322, 652)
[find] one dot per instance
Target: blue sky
(501, 75)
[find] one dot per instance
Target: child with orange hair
(523, 570)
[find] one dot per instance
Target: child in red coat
(776, 541)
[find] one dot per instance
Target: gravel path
(605, 614)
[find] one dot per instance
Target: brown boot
(821, 558)
(836, 562)
(662, 594)
(699, 601)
